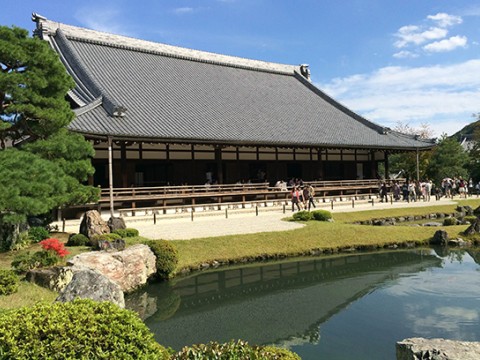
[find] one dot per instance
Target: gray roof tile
(207, 99)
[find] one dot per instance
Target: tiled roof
(174, 94)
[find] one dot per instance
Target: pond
(353, 306)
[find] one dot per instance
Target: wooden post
(418, 165)
(110, 174)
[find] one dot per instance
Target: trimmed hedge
(38, 233)
(167, 257)
(126, 233)
(321, 215)
(82, 329)
(239, 350)
(303, 215)
(78, 240)
(9, 282)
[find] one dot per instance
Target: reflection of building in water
(277, 301)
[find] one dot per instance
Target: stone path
(238, 221)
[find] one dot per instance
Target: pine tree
(448, 160)
(47, 168)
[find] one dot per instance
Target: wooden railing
(188, 195)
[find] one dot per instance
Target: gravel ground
(238, 222)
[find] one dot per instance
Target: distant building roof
(131, 88)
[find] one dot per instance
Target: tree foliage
(49, 164)
(407, 162)
(33, 85)
(448, 160)
(28, 190)
(72, 155)
(474, 153)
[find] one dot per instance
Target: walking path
(243, 221)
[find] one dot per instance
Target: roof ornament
(119, 111)
(36, 17)
(305, 71)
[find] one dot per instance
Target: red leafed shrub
(54, 245)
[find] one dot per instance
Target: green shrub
(303, 215)
(22, 242)
(128, 232)
(78, 240)
(167, 257)
(321, 215)
(8, 282)
(82, 329)
(27, 261)
(38, 233)
(449, 221)
(471, 219)
(239, 350)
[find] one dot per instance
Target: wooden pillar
(218, 161)
(123, 164)
(110, 174)
(418, 165)
(320, 171)
(373, 165)
(277, 171)
(387, 167)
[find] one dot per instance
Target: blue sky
(408, 61)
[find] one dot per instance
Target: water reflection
(276, 302)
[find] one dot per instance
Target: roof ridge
(380, 129)
(48, 28)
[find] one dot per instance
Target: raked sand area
(238, 222)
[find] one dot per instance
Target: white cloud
(183, 10)
(433, 38)
(446, 44)
(445, 20)
(405, 54)
(438, 95)
(414, 35)
(103, 19)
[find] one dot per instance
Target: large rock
(473, 228)
(55, 278)
(115, 223)
(437, 349)
(91, 284)
(440, 238)
(467, 210)
(92, 224)
(130, 268)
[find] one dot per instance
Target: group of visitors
(303, 197)
(459, 186)
(423, 190)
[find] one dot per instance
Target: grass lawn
(315, 235)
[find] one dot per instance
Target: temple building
(178, 116)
